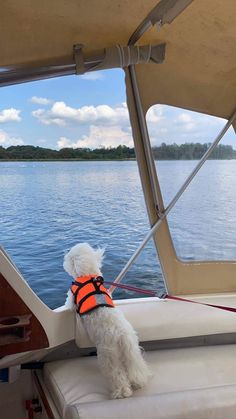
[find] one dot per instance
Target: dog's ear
(68, 265)
(99, 254)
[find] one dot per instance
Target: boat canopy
(199, 70)
(174, 52)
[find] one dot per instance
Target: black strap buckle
(99, 279)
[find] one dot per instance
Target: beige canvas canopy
(192, 65)
(199, 71)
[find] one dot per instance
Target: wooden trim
(20, 330)
(43, 396)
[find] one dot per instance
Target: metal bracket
(79, 58)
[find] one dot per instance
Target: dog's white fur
(118, 352)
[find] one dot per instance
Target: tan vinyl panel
(33, 30)
(199, 71)
(162, 239)
(181, 277)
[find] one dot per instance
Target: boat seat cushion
(168, 319)
(196, 383)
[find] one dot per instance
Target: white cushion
(156, 319)
(213, 403)
(190, 379)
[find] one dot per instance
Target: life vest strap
(80, 285)
(90, 295)
(85, 289)
(93, 280)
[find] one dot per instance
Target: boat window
(47, 205)
(203, 222)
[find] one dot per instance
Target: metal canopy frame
(21, 74)
(159, 15)
(164, 12)
(81, 64)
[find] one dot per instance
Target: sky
(90, 111)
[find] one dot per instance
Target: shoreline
(91, 160)
(61, 160)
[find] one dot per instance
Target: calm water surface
(47, 207)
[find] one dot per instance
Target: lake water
(47, 207)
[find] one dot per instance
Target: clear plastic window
(203, 222)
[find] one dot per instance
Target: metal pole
(147, 148)
(145, 136)
(141, 29)
(164, 12)
(20, 74)
(173, 202)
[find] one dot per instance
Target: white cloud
(64, 142)
(40, 100)
(186, 121)
(108, 126)
(184, 117)
(62, 114)
(10, 115)
(46, 119)
(91, 114)
(172, 125)
(6, 140)
(155, 114)
(99, 137)
(93, 76)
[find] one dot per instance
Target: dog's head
(83, 260)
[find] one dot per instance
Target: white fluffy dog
(118, 351)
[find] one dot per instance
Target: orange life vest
(90, 293)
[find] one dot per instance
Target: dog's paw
(140, 379)
(121, 393)
(137, 385)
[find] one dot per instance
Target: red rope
(226, 308)
(131, 288)
(167, 296)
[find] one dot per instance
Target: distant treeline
(192, 151)
(187, 151)
(28, 152)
